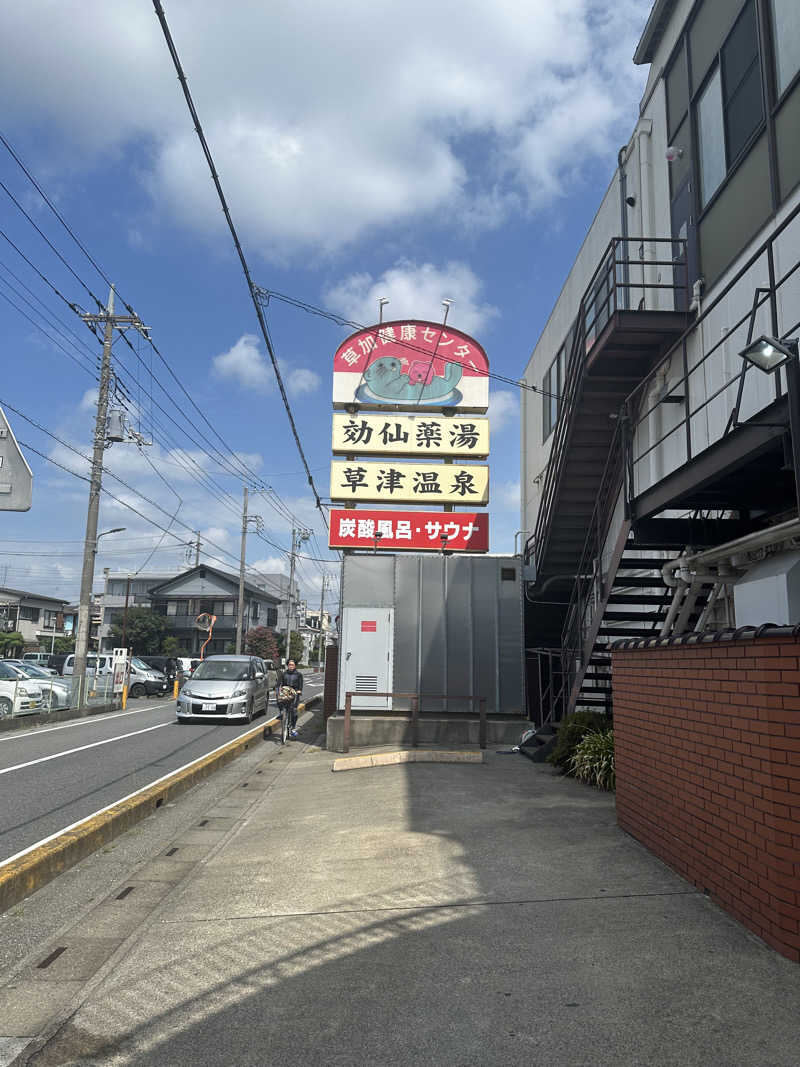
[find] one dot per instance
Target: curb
(24, 874)
(415, 755)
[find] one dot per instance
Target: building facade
(118, 587)
(658, 464)
(206, 590)
(40, 619)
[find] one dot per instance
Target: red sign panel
(456, 531)
(369, 626)
(410, 363)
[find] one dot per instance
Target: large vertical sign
(439, 376)
(411, 364)
(16, 477)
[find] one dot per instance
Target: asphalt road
(53, 776)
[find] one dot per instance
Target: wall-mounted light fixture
(673, 152)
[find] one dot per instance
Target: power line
(52, 340)
(235, 237)
(52, 207)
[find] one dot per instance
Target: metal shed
(432, 625)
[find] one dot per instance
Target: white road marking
(82, 748)
(130, 796)
(86, 720)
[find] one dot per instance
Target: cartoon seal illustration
(385, 380)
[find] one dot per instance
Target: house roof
(654, 31)
(25, 595)
(162, 588)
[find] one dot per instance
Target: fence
(44, 696)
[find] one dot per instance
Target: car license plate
(209, 707)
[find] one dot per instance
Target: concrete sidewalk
(457, 914)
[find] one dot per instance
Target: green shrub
(570, 731)
(593, 759)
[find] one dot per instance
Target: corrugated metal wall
(457, 626)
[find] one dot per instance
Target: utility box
(433, 626)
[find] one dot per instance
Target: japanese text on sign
(429, 435)
(409, 483)
(415, 530)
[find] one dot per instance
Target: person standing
(291, 678)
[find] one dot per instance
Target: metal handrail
(605, 294)
(414, 714)
(766, 294)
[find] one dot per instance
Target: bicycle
(286, 699)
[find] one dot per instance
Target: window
(551, 391)
(730, 108)
(229, 607)
(28, 614)
(172, 607)
(711, 135)
(786, 35)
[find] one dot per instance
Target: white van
(94, 664)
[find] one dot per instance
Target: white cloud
(244, 364)
(367, 115)
(503, 409)
(302, 381)
(414, 291)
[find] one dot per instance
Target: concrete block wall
(707, 740)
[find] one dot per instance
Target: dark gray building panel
(370, 583)
(406, 628)
(433, 651)
(457, 627)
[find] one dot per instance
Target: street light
(105, 533)
(769, 354)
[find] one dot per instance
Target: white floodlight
(769, 354)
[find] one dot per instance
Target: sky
(368, 150)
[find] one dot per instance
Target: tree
(296, 647)
(144, 633)
(261, 641)
(63, 645)
(170, 646)
(11, 643)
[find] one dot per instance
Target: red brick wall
(707, 752)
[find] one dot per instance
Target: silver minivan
(229, 687)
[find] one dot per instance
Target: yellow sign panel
(368, 434)
(388, 482)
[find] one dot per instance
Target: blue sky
(366, 150)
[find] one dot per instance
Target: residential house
(205, 590)
(40, 619)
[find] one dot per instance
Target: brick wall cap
(743, 633)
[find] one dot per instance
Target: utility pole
(125, 613)
(110, 321)
(298, 537)
(197, 551)
(240, 612)
(325, 579)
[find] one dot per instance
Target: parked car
(95, 664)
(56, 693)
(41, 659)
(18, 696)
(56, 661)
(230, 687)
(146, 680)
(168, 665)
